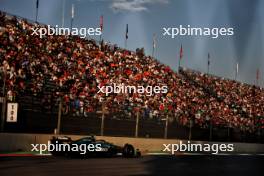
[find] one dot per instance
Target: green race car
(90, 147)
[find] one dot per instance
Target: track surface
(146, 165)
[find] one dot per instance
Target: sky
(146, 17)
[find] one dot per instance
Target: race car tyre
(128, 151)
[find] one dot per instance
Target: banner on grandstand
(12, 112)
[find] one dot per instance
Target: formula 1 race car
(90, 147)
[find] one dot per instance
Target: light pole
(190, 129)
(211, 129)
(137, 122)
(166, 126)
(59, 116)
(103, 112)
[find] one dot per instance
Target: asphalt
(146, 165)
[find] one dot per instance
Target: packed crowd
(77, 66)
(244, 100)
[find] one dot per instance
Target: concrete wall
(22, 142)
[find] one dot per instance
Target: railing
(37, 120)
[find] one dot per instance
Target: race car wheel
(128, 151)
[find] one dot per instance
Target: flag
(154, 44)
(208, 57)
(154, 41)
(127, 31)
(72, 11)
(181, 52)
(37, 4)
(237, 67)
(257, 76)
(101, 22)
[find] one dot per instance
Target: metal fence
(33, 118)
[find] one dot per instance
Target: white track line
(203, 154)
(46, 154)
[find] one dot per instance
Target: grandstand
(39, 73)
